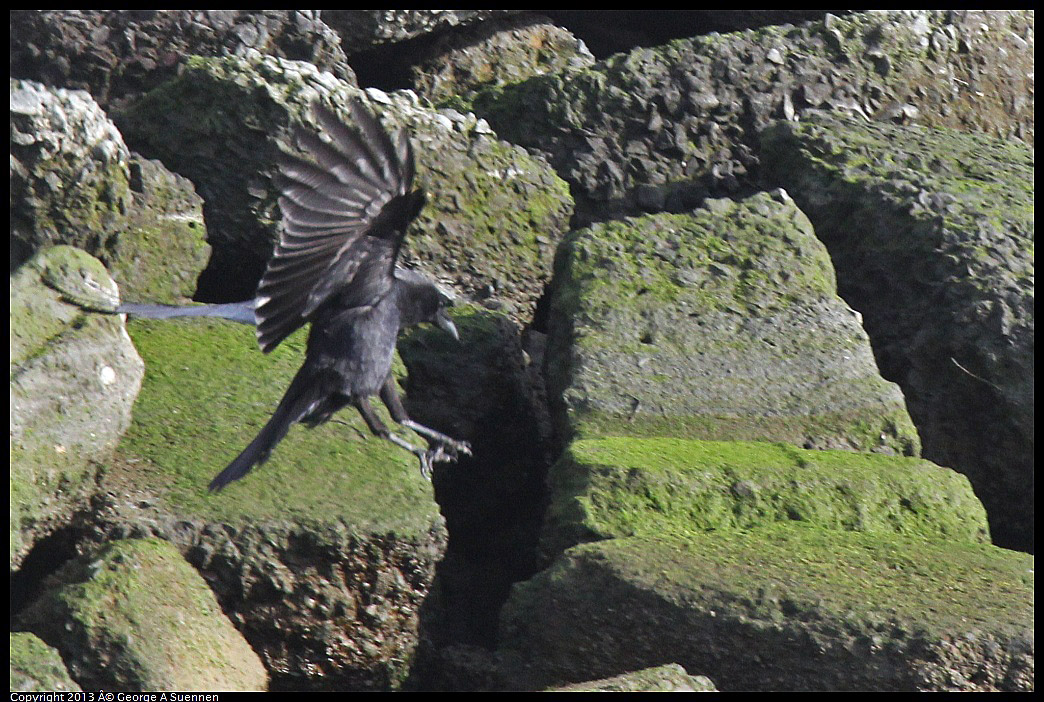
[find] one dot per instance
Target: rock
(762, 565)
(721, 324)
(486, 389)
(363, 29)
(619, 487)
(162, 249)
(713, 93)
(135, 616)
(494, 54)
(36, 667)
(625, 29)
(74, 378)
(118, 55)
(74, 182)
(664, 678)
(69, 174)
(785, 607)
(931, 232)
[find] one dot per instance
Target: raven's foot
(442, 452)
(450, 448)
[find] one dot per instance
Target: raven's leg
(379, 429)
(390, 398)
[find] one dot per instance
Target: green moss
(706, 261)
(495, 213)
(86, 202)
(37, 667)
(47, 482)
(208, 391)
(619, 487)
(140, 602)
(55, 436)
(865, 427)
(891, 583)
(40, 313)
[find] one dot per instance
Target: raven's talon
(426, 464)
(448, 450)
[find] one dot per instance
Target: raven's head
(421, 300)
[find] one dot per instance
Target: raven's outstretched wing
(344, 216)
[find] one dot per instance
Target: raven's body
(349, 357)
(344, 217)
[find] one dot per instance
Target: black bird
(345, 214)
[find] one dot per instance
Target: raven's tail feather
(301, 397)
(256, 452)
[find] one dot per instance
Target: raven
(345, 213)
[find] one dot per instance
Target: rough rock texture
(74, 378)
(162, 246)
(117, 55)
(664, 678)
(659, 128)
(625, 29)
(37, 667)
(69, 174)
(932, 235)
(780, 608)
(74, 181)
(768, 567)
(495, 213)
(323, 556)
(494, 54)
(362, 29)
(619, 487)
(494, 216)
(136, 616)
(721, 324)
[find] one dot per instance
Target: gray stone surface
(720, 324)
(659, 128)
(787, 608)
(74, 379)
(135, 616)
(118, 55)
(931, 232)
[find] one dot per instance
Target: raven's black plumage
(345, 213)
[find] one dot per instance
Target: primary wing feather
(331, 204)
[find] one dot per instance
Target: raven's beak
(443, 322)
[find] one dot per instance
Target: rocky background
(746, 359)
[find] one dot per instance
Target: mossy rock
(74, 378)
(622, 487)
(788, 607)
(37, 667)
(719, 324)
(137, 617)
